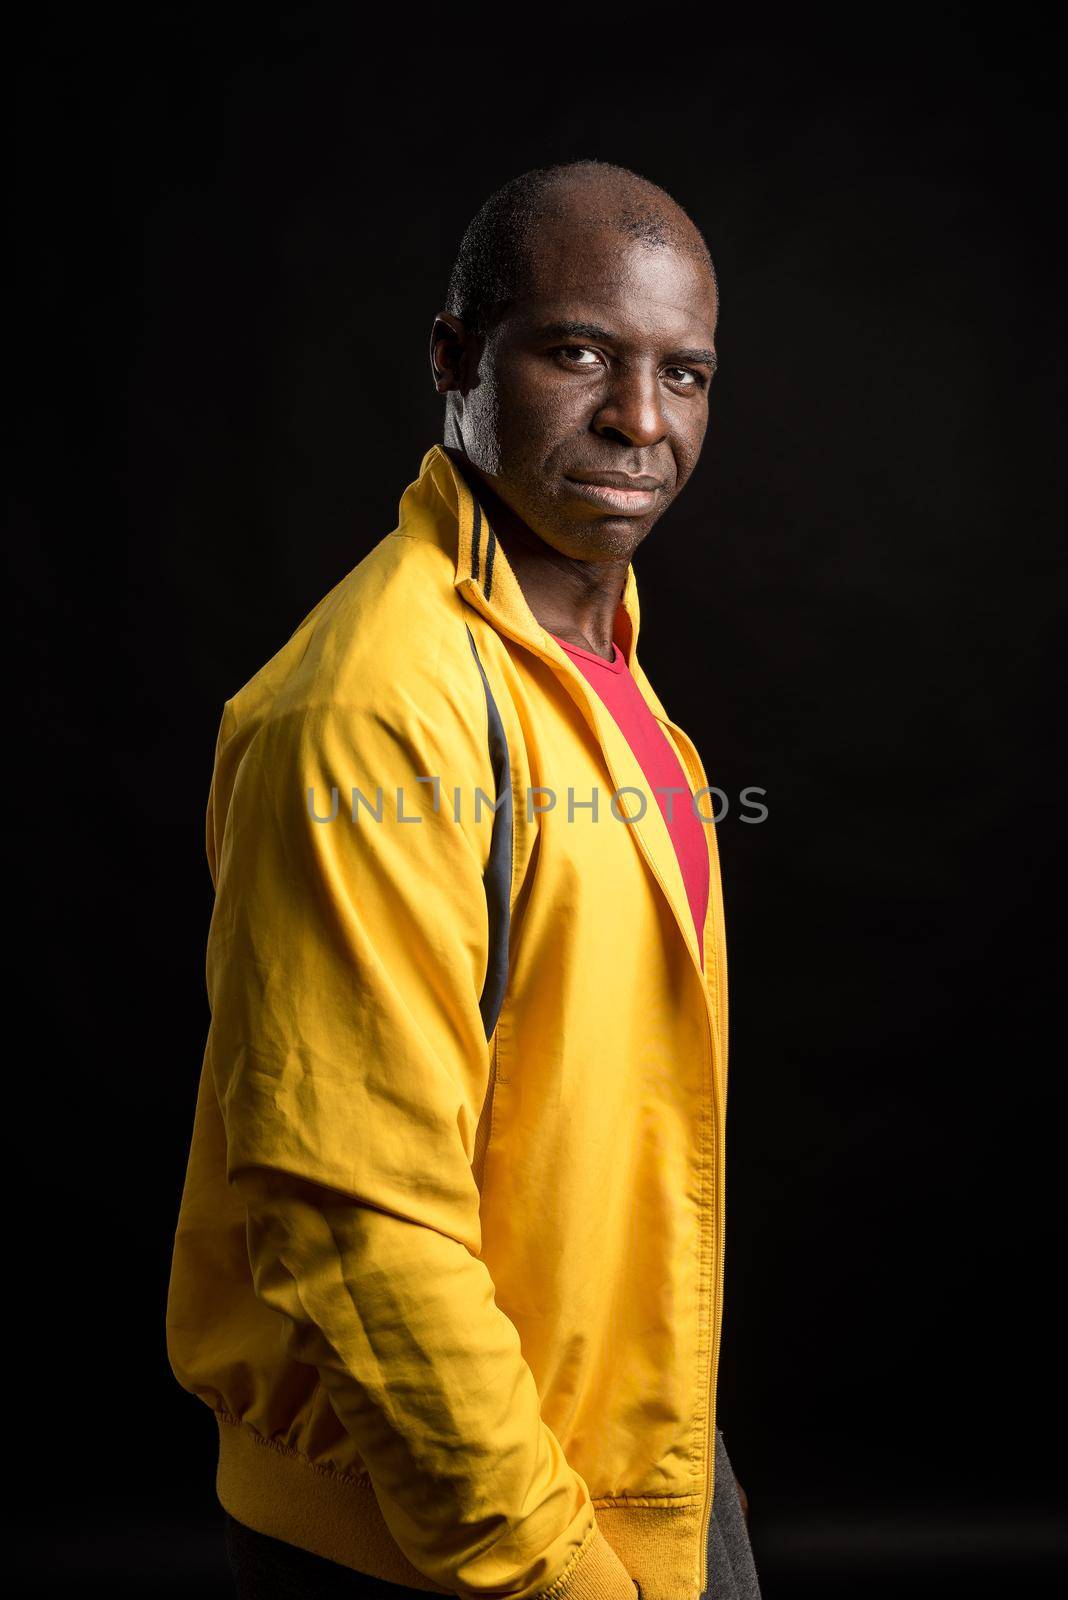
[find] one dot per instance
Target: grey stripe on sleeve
(497, 877)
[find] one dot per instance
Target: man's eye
(687, 378)
(574, 352)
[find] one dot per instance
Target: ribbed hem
(279, 1492)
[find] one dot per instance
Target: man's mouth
(617, 491)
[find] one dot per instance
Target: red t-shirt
(615, 684)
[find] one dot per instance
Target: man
(449, 1263)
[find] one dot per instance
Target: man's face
(599, 372)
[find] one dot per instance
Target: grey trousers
(267, 1569)
(732, 1573)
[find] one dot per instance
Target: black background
(229, 245)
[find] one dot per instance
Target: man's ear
(453, 354)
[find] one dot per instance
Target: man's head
(578, 344)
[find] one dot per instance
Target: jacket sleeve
(345, 964)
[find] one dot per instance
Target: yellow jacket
(448, 1266)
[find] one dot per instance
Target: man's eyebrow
(574, 330)
(593, 330)
(707, 357)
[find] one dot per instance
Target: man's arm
(351, 1065)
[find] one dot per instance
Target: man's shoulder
(389, 638)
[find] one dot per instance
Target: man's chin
(606, 537)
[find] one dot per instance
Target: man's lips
(617, 491)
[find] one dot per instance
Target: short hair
(494, 259)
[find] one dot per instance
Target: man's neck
(577, 600)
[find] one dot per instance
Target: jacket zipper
(710, 1447)
(693, 762)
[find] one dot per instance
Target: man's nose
(632, 408)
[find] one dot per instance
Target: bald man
(449, 1263)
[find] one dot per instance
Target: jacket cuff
(598, 1574)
